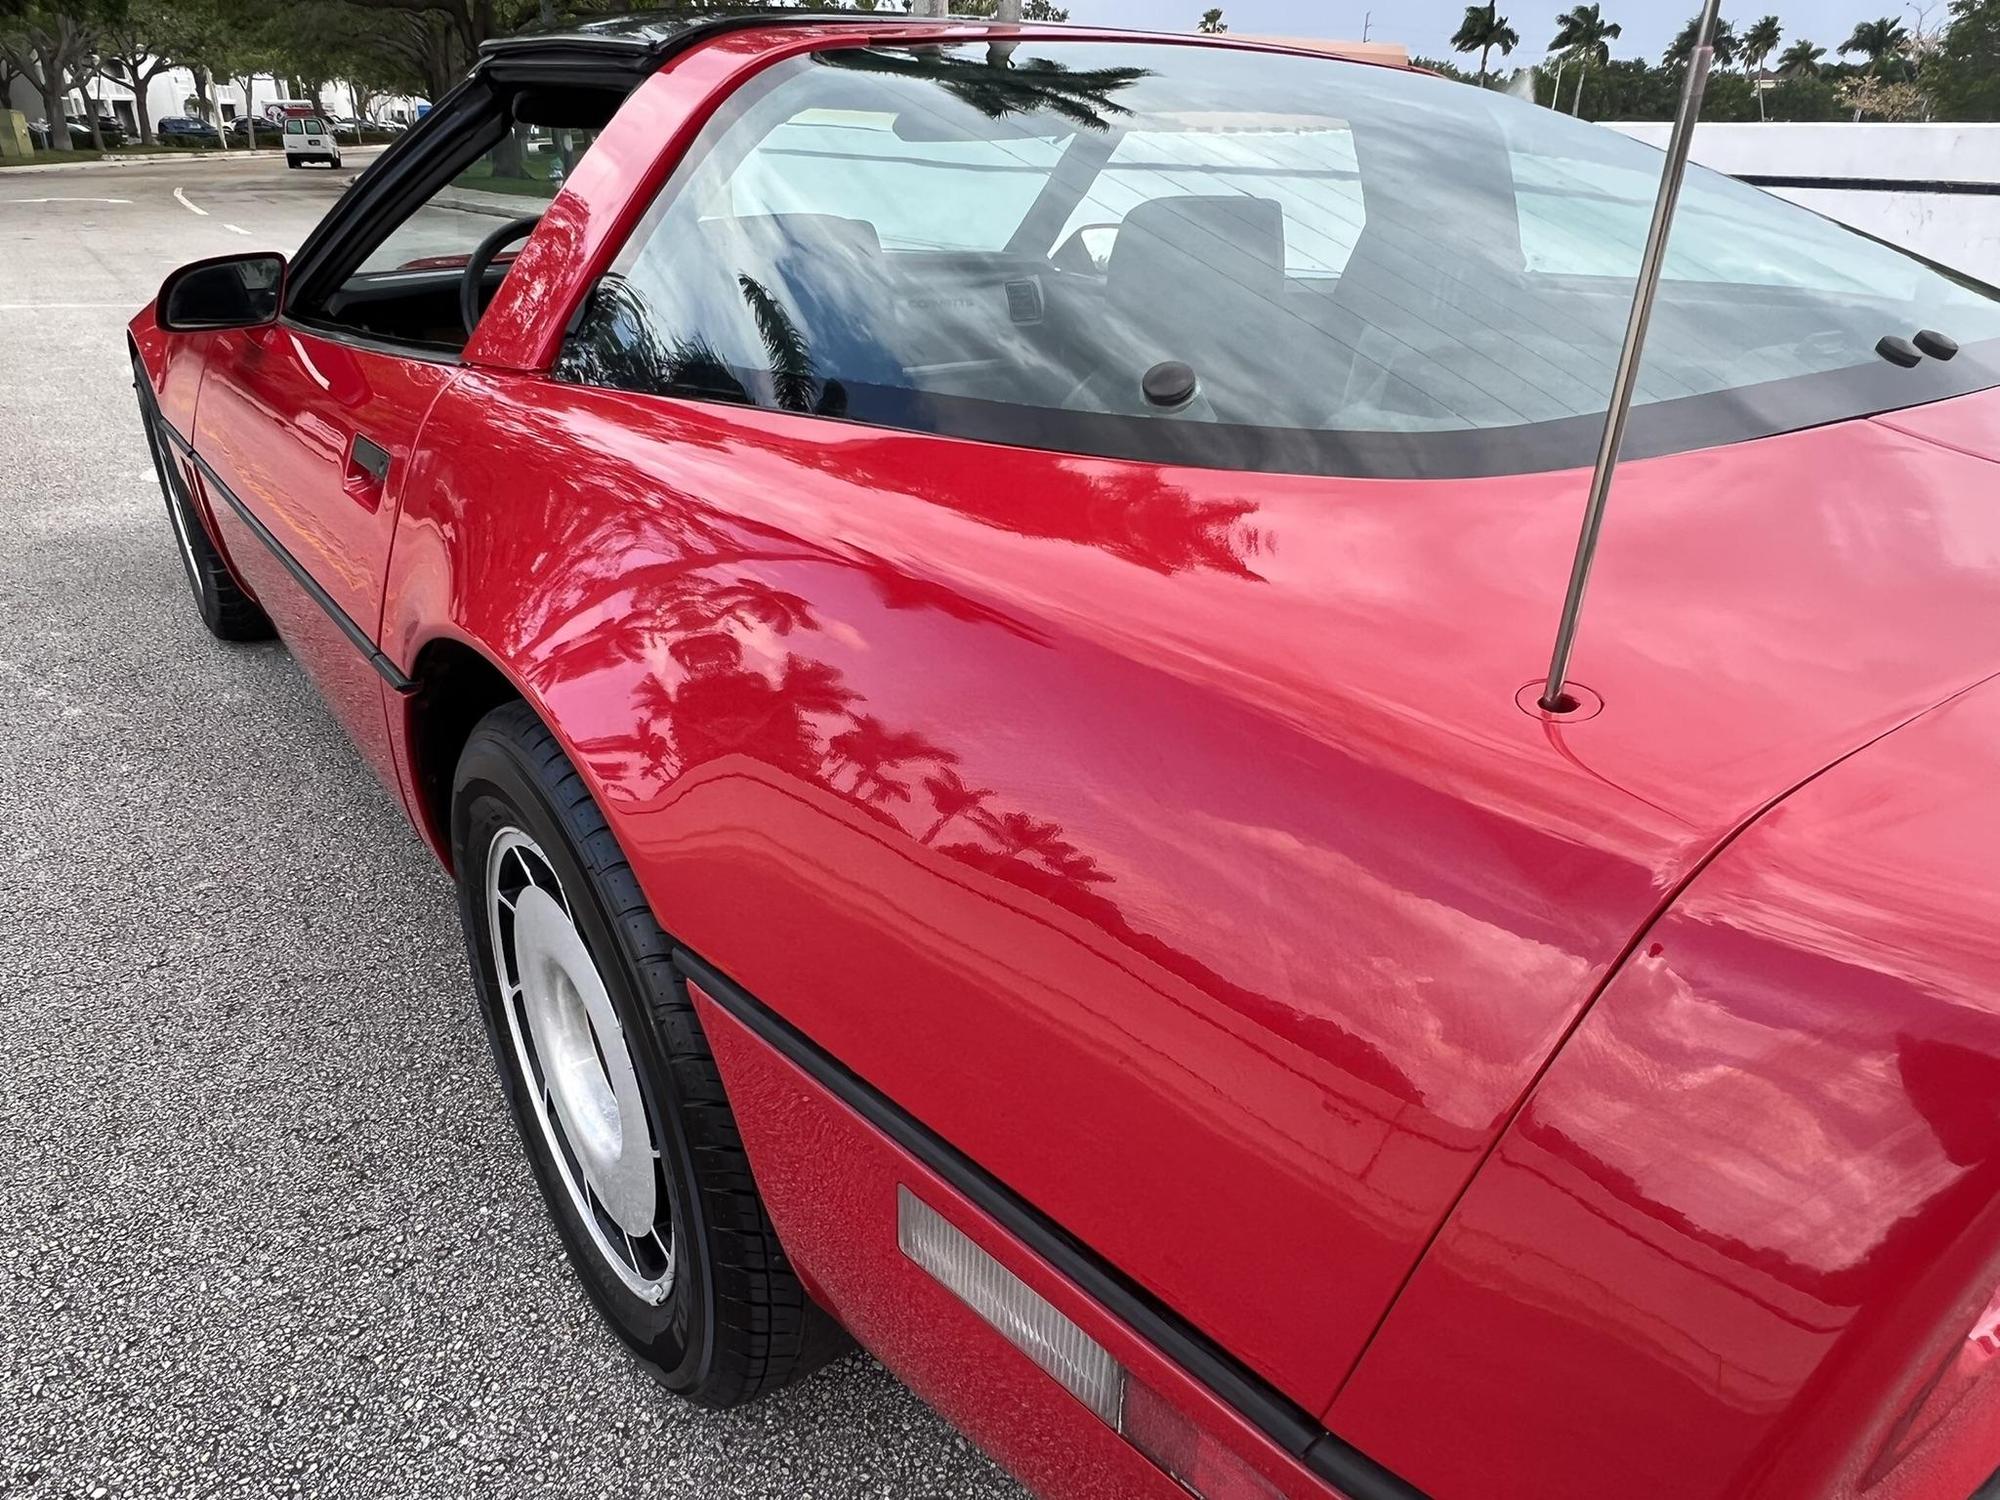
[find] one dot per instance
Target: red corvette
(966, 609)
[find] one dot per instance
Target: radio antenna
(1555, 697)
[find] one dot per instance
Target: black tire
(291, 161)
(228, 612)
(736, 1322)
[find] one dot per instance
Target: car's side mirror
(233, 291)
(1088, 250)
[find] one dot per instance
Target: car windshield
(1321, 265)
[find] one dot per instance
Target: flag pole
(1555, 697)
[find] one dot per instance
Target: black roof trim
(652, 37)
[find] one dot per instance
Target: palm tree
(1801, 60)
(1484, 29)
(794, 381)
(1759, 42)
(1877, 41)
(953, 799)
(873, 750)
(1018, 835)
(1212, 22)
(1725, 43)
(1038, 86)
(1585, 35)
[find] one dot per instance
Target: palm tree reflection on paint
(1001, 88)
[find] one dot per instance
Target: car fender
(1755, 1200)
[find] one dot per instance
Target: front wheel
(611, 1082)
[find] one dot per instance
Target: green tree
(1630, 88)
(1443, 68)
(49, 43)
(1211, 21)
(1032, 10)
(1964, 76)
(200, 37)
(1796, 99)
(136, 48)
(1484, 30)
(1878, 41)
(1584, 36)
(1801, 60)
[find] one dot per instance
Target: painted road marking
(65, 200)
(235, 228)
(57, 306)
(183, 200)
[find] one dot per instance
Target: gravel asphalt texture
(264, 1225)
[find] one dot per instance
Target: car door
(303, 437)
(306, 427)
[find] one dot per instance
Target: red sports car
(966, 606)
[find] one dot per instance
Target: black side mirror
(232, 291)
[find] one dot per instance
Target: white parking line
(235, 228)
(65, 200)
(182, 198)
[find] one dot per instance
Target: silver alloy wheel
(577, 1068)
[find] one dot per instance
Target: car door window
(519, 176)
(491, 163)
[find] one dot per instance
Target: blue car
(185, 130)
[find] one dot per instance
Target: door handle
(370, 458)
(367, 471)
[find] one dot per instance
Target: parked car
(185, 130)
(80, 138)
(256, 131)
(967, 613)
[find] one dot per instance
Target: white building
(173, 93)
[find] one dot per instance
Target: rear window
(1234, 259)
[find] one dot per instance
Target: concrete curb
(167, 158)
(495, 205)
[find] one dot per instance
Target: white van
(310, 138)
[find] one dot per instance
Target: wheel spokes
(581, 1083)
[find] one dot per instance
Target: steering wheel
(473, 282)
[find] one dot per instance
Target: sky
(1426, 26)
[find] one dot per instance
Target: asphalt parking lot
(264, 1227)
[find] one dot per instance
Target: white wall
(1961, 230)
